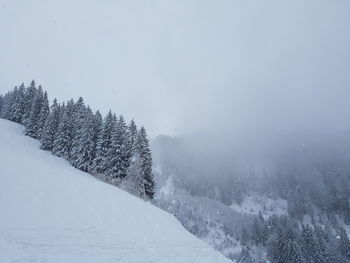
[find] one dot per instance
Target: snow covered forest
(288, 205)
(210, 131)
(116, 152)
(292, 205)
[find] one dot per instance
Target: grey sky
(180, 66)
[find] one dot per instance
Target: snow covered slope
(51, 212)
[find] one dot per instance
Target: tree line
(106, 147)
(287, 241)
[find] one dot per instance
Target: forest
(108, 148)
(287, 204)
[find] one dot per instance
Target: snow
(254, 203)
(51, 212)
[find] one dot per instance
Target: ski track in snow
(51, 212)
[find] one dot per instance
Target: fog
(244, 69)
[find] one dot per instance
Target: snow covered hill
(51, 212)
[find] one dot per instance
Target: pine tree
(97, 127)
(344, 243)
(104, 143)
(244, 236)
(116, 155)
(297, 203)
(78, 115)
(16, 106)
(310, 248)
(146, 159)
(29, 96)
(132, 135)
(134, 181)
(131, 142)
(32, 123)
(50, 127)
(79, 119)
(321, 238)
(83, 147)
(11, 105)
(5, 104)
(63, 141)
(283, 245)
(43, 115)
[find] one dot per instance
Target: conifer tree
(78, 115)
(79, 119)
(50, 127)
(16, 107)
(43, 115)
(116, 156)
(344, 243)
(134, 181)
(11, 104)
(132, 135)
(83, 147)
(63, 141)
(309, 247)
(104, 143)
(32, 123)
(244, 236)
(283, 245)
(146, 159)
(5, 104)
(29, 96)
(97, 127)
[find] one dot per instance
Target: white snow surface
(254, 203)
(51, 212)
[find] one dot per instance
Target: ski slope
(51, 212)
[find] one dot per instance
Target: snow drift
(51, 212)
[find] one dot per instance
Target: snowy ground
(51, 212)
(255, 203)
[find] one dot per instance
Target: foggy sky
(228, 66)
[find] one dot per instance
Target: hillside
(51, 212)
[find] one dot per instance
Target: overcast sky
(182, 66)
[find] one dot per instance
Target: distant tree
(297, 203)
(283, 245)
(311, 251)
(244, 236)
(344, 243)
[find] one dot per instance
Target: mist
(248, 69)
